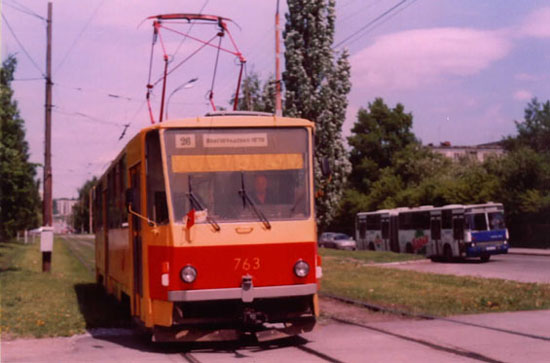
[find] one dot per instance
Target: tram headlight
(188, 274)
(301, 268)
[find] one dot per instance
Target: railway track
(253, 350)
(77, 252)
(246, 349)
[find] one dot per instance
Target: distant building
(62, 214)
(64, 206)
(479, 152)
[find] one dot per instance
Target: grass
(64, 302)
(368, 256)
(432, 294)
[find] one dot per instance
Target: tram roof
(232, 119)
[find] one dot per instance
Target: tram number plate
(491, 248)
(247, 264)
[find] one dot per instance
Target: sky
(465, 69)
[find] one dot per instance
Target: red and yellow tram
(206, 227)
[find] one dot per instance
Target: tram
(184, 237)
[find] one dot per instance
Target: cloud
(523, 95)
(409, 59)
(537, 24)
(526, 77)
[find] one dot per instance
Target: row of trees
(19, 197)
(392, 169)
(386, 165)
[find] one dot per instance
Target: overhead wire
(23, 9)
(189, 31)
(75, 41)
(21, 46)
(369, 24)
(105, 93)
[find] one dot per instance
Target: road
(348, 334)
(505, 337)
(524, 268)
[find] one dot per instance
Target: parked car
(340, 241)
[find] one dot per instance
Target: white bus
(446, 232)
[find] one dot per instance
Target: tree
(254, 96)
(81, 210)
(377, 136)
(316, 89)
(19, 197)
(534, 131)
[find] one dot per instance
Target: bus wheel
(447, 253)
(371, 246)
(409, 248)
(485, 258)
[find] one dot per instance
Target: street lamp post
(185, 85)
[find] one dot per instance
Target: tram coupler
(247, 289)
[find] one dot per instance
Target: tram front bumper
(242, 293)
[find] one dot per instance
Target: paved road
(504, 337)
(525, 268)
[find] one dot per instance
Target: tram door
(435, 233)
(135, 233)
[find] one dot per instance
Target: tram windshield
(227, 173)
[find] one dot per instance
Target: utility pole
(48, 205)
(278, 101)
(46, 243)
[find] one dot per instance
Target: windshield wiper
(197, 205)
(246, 198)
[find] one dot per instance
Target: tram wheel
(485, 258)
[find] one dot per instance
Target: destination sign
(185, 141)
(235, 140)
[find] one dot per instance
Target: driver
(260, 189)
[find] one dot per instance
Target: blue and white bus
(447, 232)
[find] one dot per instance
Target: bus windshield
(228, 173)
(476, 222)
(496, 220)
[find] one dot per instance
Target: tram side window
(98, 206)
(157, 208)
(116, 185)
(123, 185)
(112, 217)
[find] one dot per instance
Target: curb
(529, 253)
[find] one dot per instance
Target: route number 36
(247, 264)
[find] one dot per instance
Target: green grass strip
(431, 294)
(369, 256)
(64, 302)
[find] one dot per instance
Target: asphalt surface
(527, 266)
(497, 337)
(503, 337)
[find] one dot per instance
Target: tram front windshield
(231, 174)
